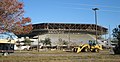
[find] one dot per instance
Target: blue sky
(73, 11)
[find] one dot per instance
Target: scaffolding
(53, 28)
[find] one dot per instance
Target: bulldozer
(91, 46)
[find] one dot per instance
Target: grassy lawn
(42, 52)
(60, 56)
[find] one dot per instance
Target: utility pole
(95, 9)
(109, 41)
(38, 46)
(69, 34)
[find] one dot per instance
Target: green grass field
(60, 56)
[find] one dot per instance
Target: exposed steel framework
(65, 28)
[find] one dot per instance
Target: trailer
(6, 46)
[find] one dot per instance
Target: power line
(90, 9)
(93, 5)
(110, 11)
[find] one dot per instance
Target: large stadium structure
(75, 33)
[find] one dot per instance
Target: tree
(11, 17)
(62, 42)
(116, 34)
(65, 42)
(27, 41)
(47, 41)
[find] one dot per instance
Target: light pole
(95, 9)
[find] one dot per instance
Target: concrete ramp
(102, 43)
(99, 41)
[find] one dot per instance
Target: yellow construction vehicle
(92, 46)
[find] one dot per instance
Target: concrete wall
(74, 38)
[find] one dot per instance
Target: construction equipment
(92, 46)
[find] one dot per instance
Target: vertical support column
(109, 41)
(38, 46)
(69, 34)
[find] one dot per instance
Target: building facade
(71, 33)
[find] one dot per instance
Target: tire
(96, 50)
(75, 49)
(87, 49)
(5, 54)
(25, 49)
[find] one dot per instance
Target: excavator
(91, 46)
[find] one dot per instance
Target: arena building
(70, 32)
